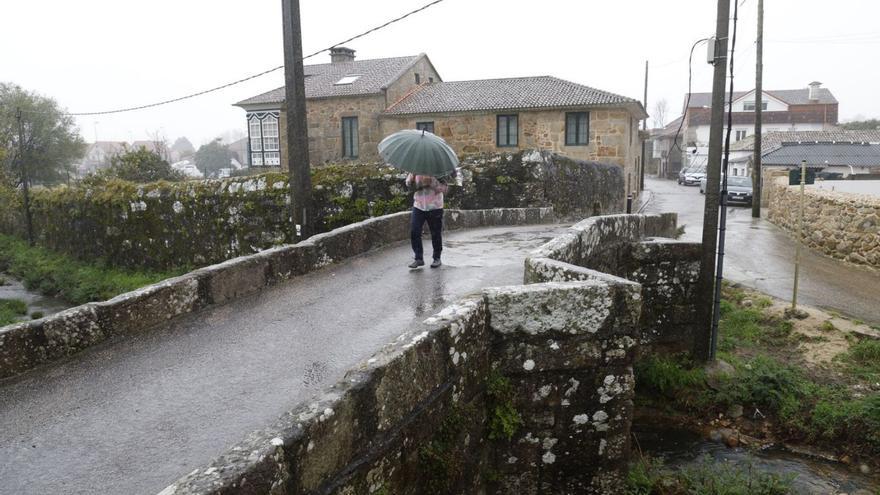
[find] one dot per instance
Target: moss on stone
(504, 419)
(440, 458)
(165, 225)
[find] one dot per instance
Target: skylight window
(348, 79)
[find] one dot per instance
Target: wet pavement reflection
(760, 255)
(131, 416)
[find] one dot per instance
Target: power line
(254, 76)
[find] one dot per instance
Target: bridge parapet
(522, 389)
(27, 345)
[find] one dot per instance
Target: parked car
(681, 174)
(739, 190)
(693, 176)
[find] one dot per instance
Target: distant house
(98, 155)
(813, 108)
(353, 104)
(666, 155)
(845, 149)
(842, 158)
(239, 150)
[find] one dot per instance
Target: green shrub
(11, 310)
(36, 315)
(668, 375)
(769, 385)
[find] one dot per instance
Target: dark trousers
(435, 224)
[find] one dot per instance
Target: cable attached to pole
(722, 223)
(687, 101)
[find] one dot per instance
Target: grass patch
(827, 326)
(55, 274)
(863, 359)
(650, 477)
(11, 310)
(749, 326)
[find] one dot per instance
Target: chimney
(814, 90)
(341, 54)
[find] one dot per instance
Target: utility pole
(299, 171)
(800, 238)
(713, 183)
(644, 128)
(25, 180)
(759, 95)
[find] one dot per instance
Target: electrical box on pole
(711, 50)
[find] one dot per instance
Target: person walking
(427, 207)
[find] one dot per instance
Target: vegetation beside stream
(811, 382)
(55, 274)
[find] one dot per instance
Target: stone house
(353, 104)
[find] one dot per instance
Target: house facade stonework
(352, 105)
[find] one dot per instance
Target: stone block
(553, 308)
(234, 278)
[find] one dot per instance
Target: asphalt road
(131, 416)
(760, 255)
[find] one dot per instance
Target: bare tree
(661, 110)
(160, 144)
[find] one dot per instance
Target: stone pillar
(563, 351)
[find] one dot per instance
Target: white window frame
(270, 133)
(256, 134)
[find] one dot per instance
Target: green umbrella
(418, 152)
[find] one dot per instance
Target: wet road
(760, 255)
(131, 416)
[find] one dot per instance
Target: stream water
(813, 476)
(36, 302)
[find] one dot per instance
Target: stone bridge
(260, 375)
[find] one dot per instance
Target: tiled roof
(790, 96)
(504, 94)
(668, 130)
(772, 140)
(864, 155)
(321, 79)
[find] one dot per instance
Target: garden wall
(163, 226)
(841, 225)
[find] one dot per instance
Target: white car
(692, 178)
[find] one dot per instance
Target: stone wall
(613, 137)
(27, 345)
(195, 223)
(521, 389)
(638, 248)
(325, 128)
(324, 116)
(841, 225)
(425, 414)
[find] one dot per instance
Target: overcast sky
(93, 55)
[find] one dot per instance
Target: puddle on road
(682, 448)
(14, 289)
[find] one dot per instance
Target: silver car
(739, 190)
(693, 176)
